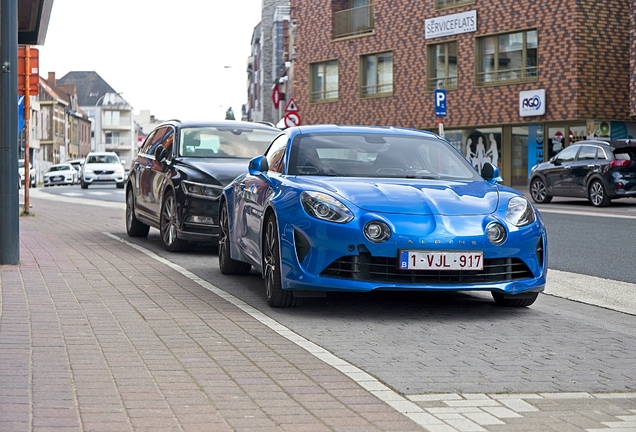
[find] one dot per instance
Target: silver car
(103, 167)
(61, 174)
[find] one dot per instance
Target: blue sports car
(356, 208)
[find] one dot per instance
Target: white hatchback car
(61, 174)
(103, 167)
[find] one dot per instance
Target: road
(573, 351)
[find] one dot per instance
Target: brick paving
(97, 336)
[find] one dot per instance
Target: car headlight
(200, 190)
(325, 207)
(88, 171)
(119, 170)
(519, 212)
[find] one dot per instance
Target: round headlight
(377, 232)
(496, 233)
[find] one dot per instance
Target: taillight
(621, 163)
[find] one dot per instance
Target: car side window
(601, 154)
(159, 138)
(587, 153)
(146, 145)
(275, 154)
(568, 154)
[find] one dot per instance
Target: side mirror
(258, 166)
(490, 173)
(123, 161)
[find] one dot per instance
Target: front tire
(134, 228)
(276, 295)
(518, 300)
(84, 185)
(539, 192)
(227, 264)
(169, 225)
(597, 194)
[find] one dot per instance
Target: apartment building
(521, 79)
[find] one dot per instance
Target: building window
(445, 4)
(324, 81)
(111, 118)
(352, 18)
(507, 58)
(442, 66)
(376, 75)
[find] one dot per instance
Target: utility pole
(9, 178)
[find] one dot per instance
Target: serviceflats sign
(532, 103)
(465, 22)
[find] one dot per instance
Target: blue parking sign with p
(440, 103)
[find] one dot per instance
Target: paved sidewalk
(96, 336)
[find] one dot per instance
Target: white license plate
(103, 177)
(433, 260)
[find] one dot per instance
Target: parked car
(61, 174)
(597, 170)
(344, 208)
(176, 179)
(32, 174)
(77, 164)
(104, 167)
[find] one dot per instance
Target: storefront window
(478, 145)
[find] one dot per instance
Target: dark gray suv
(594, 169)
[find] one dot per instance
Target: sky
(184, 59)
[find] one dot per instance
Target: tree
(229, 114)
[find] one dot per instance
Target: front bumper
(199, 220)
(329, 257)
(103, 178)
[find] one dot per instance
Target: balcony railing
(353, 22)
(443, 4)
(509, 76)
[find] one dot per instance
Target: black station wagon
(597, 170)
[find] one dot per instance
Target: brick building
(523, 79)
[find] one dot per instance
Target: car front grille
(101, 172)
(365, 267)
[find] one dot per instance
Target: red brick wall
(583, 60)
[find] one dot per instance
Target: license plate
(58, 178)
(102, 177)
(434, 260)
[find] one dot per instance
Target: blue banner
(20, 113)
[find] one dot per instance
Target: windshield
(59, 168)
(211, 142)
(20, 164)
(374, 155)
(102, 159)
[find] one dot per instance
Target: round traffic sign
(292, 119)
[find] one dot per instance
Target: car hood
(224, 170)
(103, 166)
(417, 197)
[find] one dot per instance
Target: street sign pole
(27, 116)
(9, 178)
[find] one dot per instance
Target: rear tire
(227, 264)
(134, 228)
(519, 300)
(169, 225)
(597, 194)
(276, 295)
(538, 192)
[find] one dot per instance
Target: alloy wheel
(169, 220)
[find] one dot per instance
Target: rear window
(625, 153)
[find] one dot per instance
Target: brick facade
(585, 63)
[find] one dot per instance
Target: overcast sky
(169, 57)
